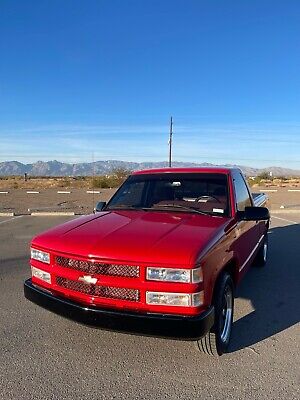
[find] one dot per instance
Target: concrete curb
(7, 214)
(49, 213)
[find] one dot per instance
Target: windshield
(183, 192)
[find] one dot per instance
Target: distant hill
(56, 168)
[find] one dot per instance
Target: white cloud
(252, 144)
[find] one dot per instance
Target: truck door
(246, 232)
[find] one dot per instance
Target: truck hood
(154, 237)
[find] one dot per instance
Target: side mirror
(254, 214)
(99, 206)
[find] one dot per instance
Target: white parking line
(8, 220)
(49, 213)
(286, 220)
(268, 190)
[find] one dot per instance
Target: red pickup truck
(162, 257)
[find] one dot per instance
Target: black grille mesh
(101, 291)
(129, 271)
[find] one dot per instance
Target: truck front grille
(129, 271)
(101, 291)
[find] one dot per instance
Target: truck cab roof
(220, 170)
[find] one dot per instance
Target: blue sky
(84, 79)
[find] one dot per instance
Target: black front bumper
(177, 327)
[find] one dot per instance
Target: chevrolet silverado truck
(163, 257)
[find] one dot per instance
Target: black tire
(216, 341)
(262, 255)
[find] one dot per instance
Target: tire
(216, 341)
(262, 255)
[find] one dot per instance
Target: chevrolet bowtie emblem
(88, 279)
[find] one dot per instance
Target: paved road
(44, 356)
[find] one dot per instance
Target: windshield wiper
(158, 208)
(191, 209)
(123, 207)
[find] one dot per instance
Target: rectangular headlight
(174, 275)
(174, 299)
(43, 275)
(40, 256)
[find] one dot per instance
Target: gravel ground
(44, 356)
(19, 202)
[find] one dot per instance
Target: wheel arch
(231, 267)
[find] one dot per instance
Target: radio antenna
(170, 142)
(93, 189)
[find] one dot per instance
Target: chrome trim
(88, 279)
(260, 203)
(252, 252)
(259, 200)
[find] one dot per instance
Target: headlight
(40, 256)
(43, 275)
(174, 299)
(174, 275)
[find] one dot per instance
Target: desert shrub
(65, 182)
(254, 181)
(118, 176)
(264, 176)
(283, 178)
(114, 180)
(100, 182)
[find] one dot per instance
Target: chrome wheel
(217, 339)
(226, 318)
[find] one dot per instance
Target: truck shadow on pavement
(273, 291)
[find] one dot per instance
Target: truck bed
(260, 199)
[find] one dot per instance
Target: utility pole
(170, 142)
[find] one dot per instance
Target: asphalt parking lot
(44, 356)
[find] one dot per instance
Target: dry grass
(113, 180)
(276, 182)
(44, 183)
(97, 182)
(17, 182)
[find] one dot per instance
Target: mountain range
(57, 168)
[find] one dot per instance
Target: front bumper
(169, 326)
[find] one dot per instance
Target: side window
(242, 195)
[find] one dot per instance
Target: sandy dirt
(21, 202)
(81, 202)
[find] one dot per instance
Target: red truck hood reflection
(138, 236)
